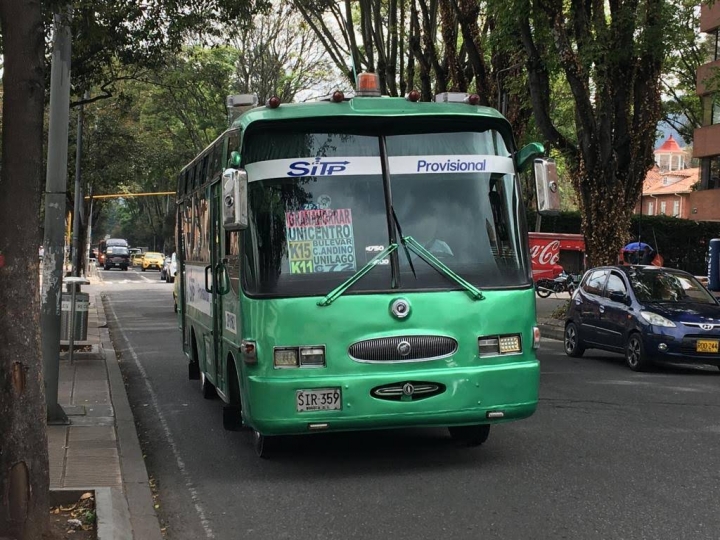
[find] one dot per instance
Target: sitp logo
(319, 167)
(547, 254)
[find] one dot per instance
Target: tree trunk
(605, 214)
(24, 477)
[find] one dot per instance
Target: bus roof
(363, 107)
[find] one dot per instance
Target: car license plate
(319, 399)
(707, 346)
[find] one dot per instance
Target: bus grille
(409, 391)
(403, 349)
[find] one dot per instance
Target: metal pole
(71, 339)
(89, 233)
(78, 206)
(55, 187)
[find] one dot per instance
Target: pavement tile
(94, 433)
(102, 468)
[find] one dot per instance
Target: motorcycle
(563, 283)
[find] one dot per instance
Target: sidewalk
(100, 450)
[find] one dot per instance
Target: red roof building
(672, 190)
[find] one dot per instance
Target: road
(609, 454)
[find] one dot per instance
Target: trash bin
(82, 301)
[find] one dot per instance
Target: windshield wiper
(441, 267)
(403, 241)
(357, 276)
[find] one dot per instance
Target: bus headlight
(285, 357)
(312, 356)
(292, 357)
(497, 345)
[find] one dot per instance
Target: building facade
(706, 139)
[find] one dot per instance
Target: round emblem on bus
(404, 348)
(400, 308)
(707, 326)
(408, 389)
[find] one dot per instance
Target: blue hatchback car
(647, 313)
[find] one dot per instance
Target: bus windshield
(319, 211)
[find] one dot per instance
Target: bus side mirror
(546, 186)
(235, 200)
(528, 153)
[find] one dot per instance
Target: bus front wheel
(470, 435)
(261, 444)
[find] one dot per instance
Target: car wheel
(170, 279)
(175, 305)
(573, 344)
(143, 269)
(635, 356)
(106, 267)
(470, 435)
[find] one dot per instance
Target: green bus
(363, 263)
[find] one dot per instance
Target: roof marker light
(413, 95)
(368, 85)
(273, 102)
(338, 96)
(473, 99)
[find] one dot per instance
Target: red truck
(554, 252)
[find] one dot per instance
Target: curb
(551, 331)
(143, 523)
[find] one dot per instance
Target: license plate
(319, 399)
(707, 346)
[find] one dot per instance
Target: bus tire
(207, 388)
(262, 444)
(232, 412)
(470, 435)
(193, 365)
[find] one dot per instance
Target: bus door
(219, 282)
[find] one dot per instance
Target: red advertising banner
(545, 251)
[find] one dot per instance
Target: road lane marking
(168, 435)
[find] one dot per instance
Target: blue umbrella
(637, 246)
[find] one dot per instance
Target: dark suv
(117, 254)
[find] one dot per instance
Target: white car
(169, 269)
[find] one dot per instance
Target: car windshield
(668, 286)
(117, 250)
(318, 210)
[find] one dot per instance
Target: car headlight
(657, 320)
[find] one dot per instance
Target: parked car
(152, 260)
(169, 269)
(647, 313)
(116, 256)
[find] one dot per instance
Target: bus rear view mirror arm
(235, 200)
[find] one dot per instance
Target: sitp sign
(547, 254)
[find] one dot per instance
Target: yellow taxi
(151, 260)
(136, 259)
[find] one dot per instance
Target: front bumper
(150, 266)
(681, 348)
(470, 393)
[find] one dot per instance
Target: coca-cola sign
(545, 255)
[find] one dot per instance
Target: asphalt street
(609, 454)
